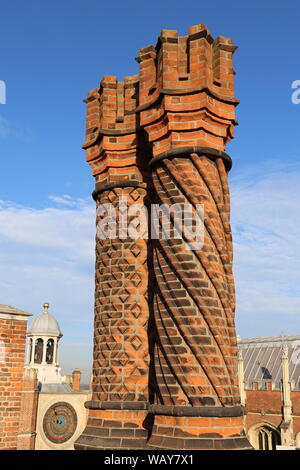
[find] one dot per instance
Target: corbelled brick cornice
(182, 97)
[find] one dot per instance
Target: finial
(285, 351)
(46, 306)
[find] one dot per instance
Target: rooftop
(262, 359)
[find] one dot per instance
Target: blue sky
(51, 54)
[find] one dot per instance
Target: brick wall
(13, 324)
(28, 411)
(266, 406)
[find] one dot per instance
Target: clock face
(60, 422)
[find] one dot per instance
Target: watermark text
(164, 222)
(2, 92)
(296, 94)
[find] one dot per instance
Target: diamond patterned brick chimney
(165, 355)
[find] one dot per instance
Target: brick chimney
(165, 339)
(76, 376)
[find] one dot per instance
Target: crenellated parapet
(113, 140)
(182, 97)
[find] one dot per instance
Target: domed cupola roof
(45, 324)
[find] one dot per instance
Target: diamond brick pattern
(115, 301)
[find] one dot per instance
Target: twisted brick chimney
(165, 340)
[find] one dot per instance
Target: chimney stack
(76, 376)
(165, 341)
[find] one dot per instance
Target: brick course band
(202, 151)
(231, 443)
(116, 405)
(205, 411)
(96, 443)
(198, 433)
(101, 187)
(113, 429)
(201, 411)
(190, 91)
(175, 92)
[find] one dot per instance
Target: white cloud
(266, 225)
(48, 255)
(15, 130)
(66, 230)
(4, 128)
(66, 200)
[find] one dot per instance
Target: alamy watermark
(2, 92)
(175, 221)
(296, 94)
